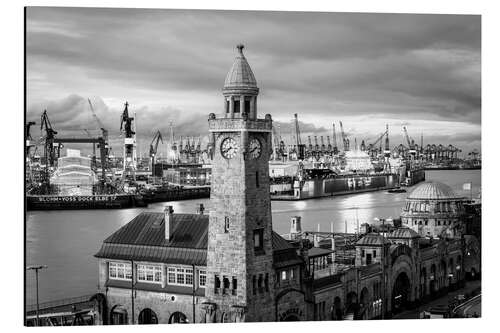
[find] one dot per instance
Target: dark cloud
(327, 67)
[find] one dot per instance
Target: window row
(227, 285)
(425, 222)
(155, 273)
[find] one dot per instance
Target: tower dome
(434, 209)
(240, 77)
(240, 89)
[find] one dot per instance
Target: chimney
(201, 209)
(169, 221)
(295, 227)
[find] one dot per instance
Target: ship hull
(340, 185)
(62, 202)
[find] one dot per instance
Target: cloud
(171, 64)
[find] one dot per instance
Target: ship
(326, 183)
(98, 201)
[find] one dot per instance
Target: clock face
(229, 148)
(254, 148)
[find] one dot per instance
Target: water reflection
(66, 241)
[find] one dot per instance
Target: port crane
(104, 164)
(335, 148)
(372, 146)
(28, 137)
(153, 149)
(50, 134)
(130, 144)
(298, 141)
(345, 140)
(411, 143)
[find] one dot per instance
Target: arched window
(178, 318)
(147, 316)
(225, 318)
(118, 315)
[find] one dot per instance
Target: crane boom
(335, 148)
(297, 130)
(407, 137)
(345, 141)
(101, 126)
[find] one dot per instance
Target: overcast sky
(422, 71)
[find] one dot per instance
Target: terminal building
(228, 265)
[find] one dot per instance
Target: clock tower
(240, 274)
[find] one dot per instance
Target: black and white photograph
(193, 166)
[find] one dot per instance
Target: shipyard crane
(298, 141)
(345, 140)
(153, 149)
(387, 149)
(129, 148)
(372, 146)
(50, 133)
(104, 164)
(411, 143)
(335, 148)
(28, 137)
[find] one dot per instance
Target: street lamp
(36, 269)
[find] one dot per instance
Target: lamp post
(36, 269)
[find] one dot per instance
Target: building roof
(240, 75)
(143, 239)
(372, 239)
(403, 233)
(432, 190)
(318, 252)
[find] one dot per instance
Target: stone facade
(240, 229)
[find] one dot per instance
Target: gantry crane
(50, 133)
(104, 164)
(130, 144)
(28, 137)
(372, 146)
(335, 148)
(298, 141)
(153, 149)
(411, 143)
(345, 140)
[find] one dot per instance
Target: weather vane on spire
(240, 48)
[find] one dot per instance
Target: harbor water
(66, 241)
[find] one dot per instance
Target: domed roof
(432, 190)
(240, 75)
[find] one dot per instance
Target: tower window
(256, 179)
(235, 283)
(258, 238)
(217, 284)
(225, 284)
(226, 224)
(247, 106)
(236, 106)
(227, 107)
(261, 280)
